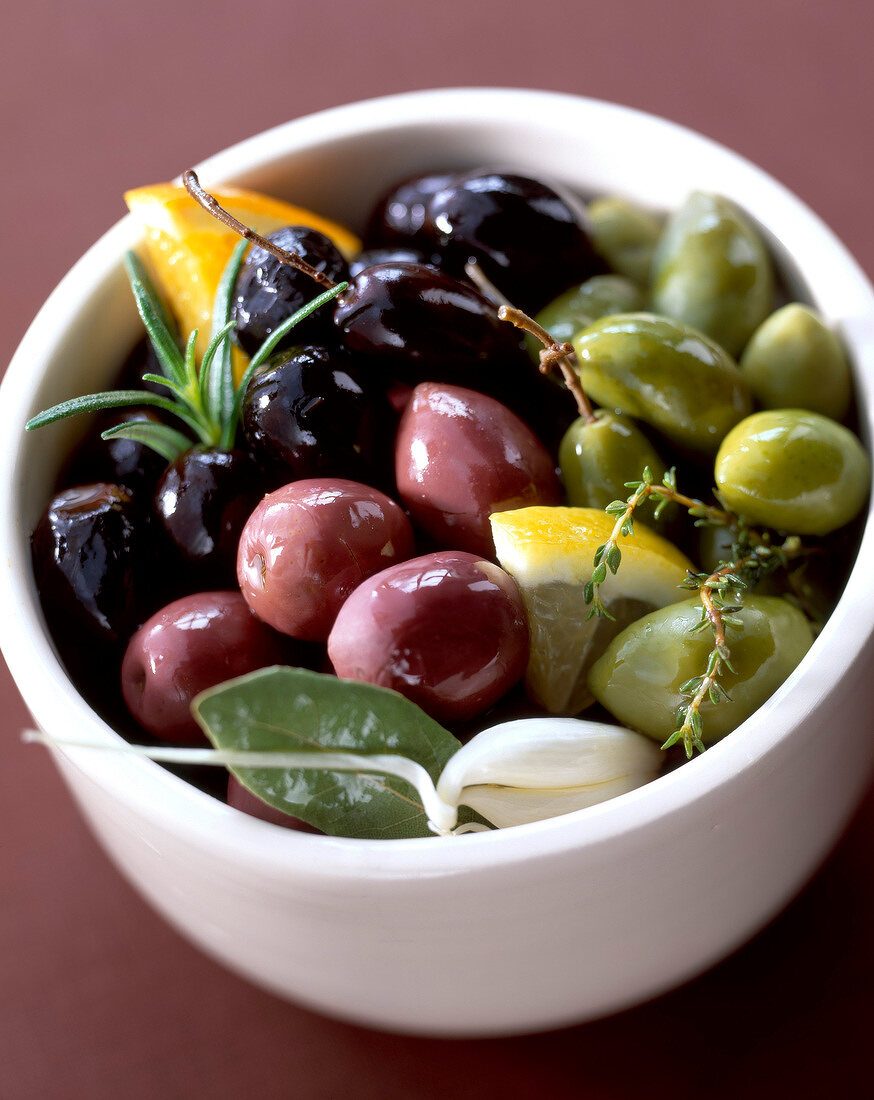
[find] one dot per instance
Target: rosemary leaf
(219, 382)
(167, 441)
(93, 402)
(155, 319)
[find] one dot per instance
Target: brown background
(98, 997)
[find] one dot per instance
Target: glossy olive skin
(597, 458)
(794, 361)
(312, 413)
(447, 630)
(664, 373)
(639, 675)
(626, 236)
(399, 218)
(420, 324)
(578, 307)
(531, 241)
(202, 501)
(267, 291)
(188, 646)
(370, 256)
(711, 270)
(459, 456)
(794, 470)
(308, 545)
(91, 550)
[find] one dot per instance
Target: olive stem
(292, 259)
(552, 355)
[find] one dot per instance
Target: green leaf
(155, 319)
(94, 402)
(218, 382)
(190, 361)
(168, 442)
(289, 709)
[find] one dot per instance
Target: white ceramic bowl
(536, 926)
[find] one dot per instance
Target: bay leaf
(291, 709)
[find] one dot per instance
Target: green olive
(581, 305)
(664, 373)
(793, 470)
(639, 675)
(626, 236)
(794, 360)
(712, 270)
(598, 457)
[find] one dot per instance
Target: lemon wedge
(186, 248)
(549, 552)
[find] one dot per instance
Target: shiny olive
(711, 269)
(371, 256)
(531, 241)
(626, 235)
(419, 324)
(312, 413)
(639, 675)
(188, 646)
(399, 217)
(578, 307)
(267, 292)
(597, 458)
(795, 361)
(447, 630)
(202, 501)
(459, 456)
(794, 470)
(91, 553)
(664, 373)
(307, 546)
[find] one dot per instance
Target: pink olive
(308, 545)
(447, 630)
(459, 456)
(190, 645)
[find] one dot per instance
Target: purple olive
(308, 545)
(447, 630)
(459, 456)
(189, 646)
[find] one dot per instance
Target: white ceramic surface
(536, 926)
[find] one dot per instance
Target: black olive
(267, 291)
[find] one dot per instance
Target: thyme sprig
(753, 556)
(609, 555)
(721, 594)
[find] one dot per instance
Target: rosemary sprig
(203, 397)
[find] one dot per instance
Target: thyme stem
(552, 355)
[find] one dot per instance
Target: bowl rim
(149, 789)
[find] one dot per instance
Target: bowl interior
(338, 163)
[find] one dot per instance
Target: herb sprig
(753, 556)
(203, 397)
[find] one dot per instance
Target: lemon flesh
(186, 248)
(550, 553)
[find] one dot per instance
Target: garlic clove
(534, 768)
